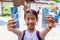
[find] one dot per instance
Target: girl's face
(30, 20)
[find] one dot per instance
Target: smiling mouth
(31, 25)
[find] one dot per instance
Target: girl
(31, 17)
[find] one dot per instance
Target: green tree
(56, 0)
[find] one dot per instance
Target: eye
(28, 18)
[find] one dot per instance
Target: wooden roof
(18, 2)
(15, 2)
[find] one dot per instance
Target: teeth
(30, 25)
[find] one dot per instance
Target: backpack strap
(38, 35)
(23, 34)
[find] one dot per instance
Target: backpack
(37, 33)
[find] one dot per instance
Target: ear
(24, 19)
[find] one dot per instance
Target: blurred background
(43, 7)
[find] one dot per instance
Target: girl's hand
(11, 24)
(50, 20)
(11, 27)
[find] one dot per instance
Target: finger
(11, 22)
(49, 17)
(13, 26)
(51, 20)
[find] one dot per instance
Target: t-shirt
(30, 36)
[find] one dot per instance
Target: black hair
(31, 11)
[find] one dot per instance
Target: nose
(30, 21)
